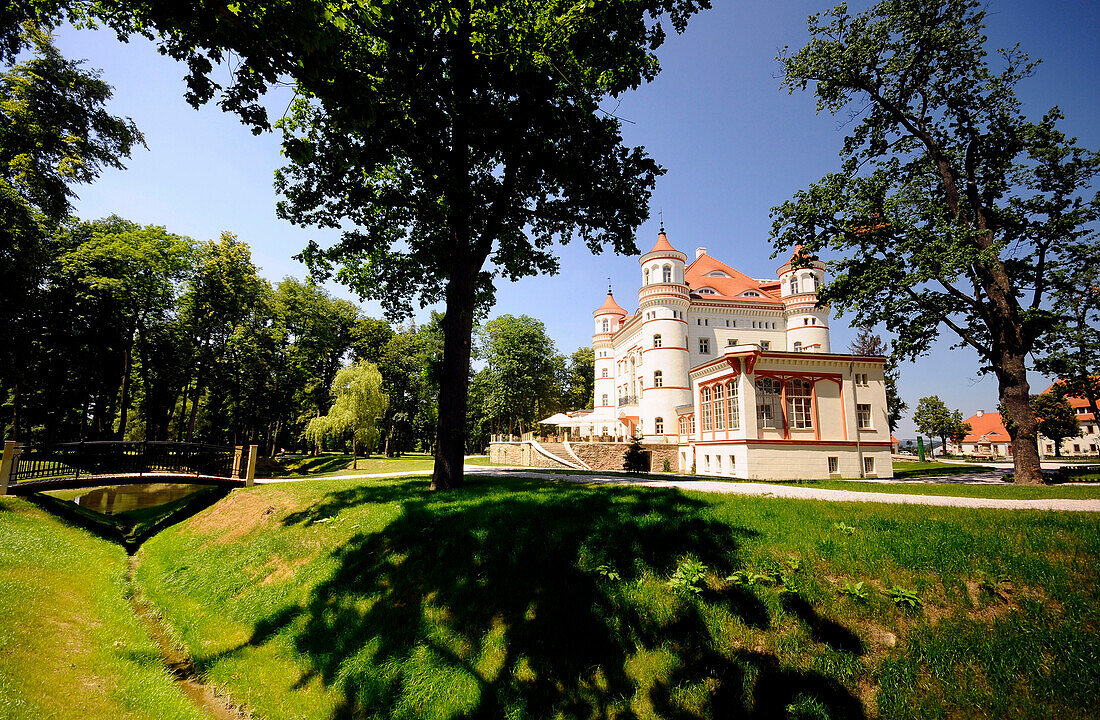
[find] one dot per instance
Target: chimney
(979, 413)
(700, 252)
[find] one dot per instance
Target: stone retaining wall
(596, 455)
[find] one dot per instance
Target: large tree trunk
(124, 392)
(454, 379)
(1022, 428)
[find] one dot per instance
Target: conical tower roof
(664, 248)
(610, 307)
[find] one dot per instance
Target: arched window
(606, 325)
(799, 404)
(659, 426)
(658, 378)
(719, 407)
(657, 340)
(798, 347)
(768, 410)
(732, 411)
(794, 285)
(706, 408)
(645, 276)
(817, 283)
(604, 373)
(666, 274)
(603, 399)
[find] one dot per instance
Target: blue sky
(733, 143)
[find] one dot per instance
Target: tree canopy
(951, 209)
(868, 343)
(452, 142)
(1056, 418)
(357, 409)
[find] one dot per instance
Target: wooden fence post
(238, 455)
(250, 478)
(6, 464)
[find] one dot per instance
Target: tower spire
(609, 285)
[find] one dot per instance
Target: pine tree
(634, 459)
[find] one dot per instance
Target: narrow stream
(178, 662)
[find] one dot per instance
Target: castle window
(658, 378)
(719, 407)
(794, 285)
(606, 325)
(603, 400)
(645, 276)
(657, 340)
(732, 411)
(704, 402)
(666, 274)
(798, 347)
(768, 410)
(731, 342)
(691, 424)
(863, 416)
(834, 465)
(765, 345)
(659, 425)
(817, 283)
(799, 404)
(704, 346)
(604, 374)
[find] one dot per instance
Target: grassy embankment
(518, 598)
(339, 464)
(70, 647)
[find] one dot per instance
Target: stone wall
(522, 454)
(596, 455)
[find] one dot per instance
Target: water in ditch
(126, 498)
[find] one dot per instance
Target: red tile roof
(1075, 403)
(663, 245)
(610, 307)
(986, 428)
(728, 287)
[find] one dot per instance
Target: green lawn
(537, 599)
(927, 469)
(69, 645)
(297, 466)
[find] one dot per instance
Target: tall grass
(514, 598)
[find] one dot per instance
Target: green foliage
(522, 379)
(358, 405)
(951, 208)
(844, 528)
(856, 590)
(1056, 417)
(666, 465)
(903, 597)
(690, 577)
(934, 419)
(634, 457)
(608, 572)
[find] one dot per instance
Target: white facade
(698, 323)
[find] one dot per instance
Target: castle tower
(609, 318)
(807, 325)
(663, 302)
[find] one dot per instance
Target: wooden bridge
(27, 469)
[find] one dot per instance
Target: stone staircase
(560, 453)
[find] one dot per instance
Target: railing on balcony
(627, 400)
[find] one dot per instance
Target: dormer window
(707, 291)
(750, 293)
(717, 273)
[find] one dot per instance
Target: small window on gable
(750, 293)
(707, 291)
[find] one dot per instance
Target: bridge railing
(63, 461)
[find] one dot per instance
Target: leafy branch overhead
(951, 208)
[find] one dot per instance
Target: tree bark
(1022, 426)
(454, 380)
(124, 393)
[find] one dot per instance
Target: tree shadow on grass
(494, 603)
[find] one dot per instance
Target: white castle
(737, 372)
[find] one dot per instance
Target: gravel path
(781, 491)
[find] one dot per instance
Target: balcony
(628, 400)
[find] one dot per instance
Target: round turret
(608, 320)
(663, 303)
(807, 323)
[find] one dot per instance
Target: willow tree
(451, 141)
(357, 409)
(952, 210)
